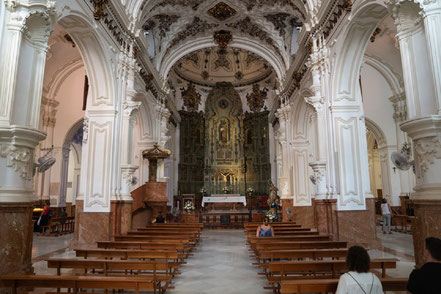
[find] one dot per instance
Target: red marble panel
(16, 231)
(359, 227)
(427, 223)
(90, 227)
(303, 215)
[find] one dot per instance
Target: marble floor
(221, 262)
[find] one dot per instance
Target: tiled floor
(221, 262)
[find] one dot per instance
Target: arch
(353, 49)
(65, 159)
(95, 58)
(377, 132)
(393, 80)
(145, 120)
(166, 62)
(61, 75)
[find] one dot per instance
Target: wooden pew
(330, 285)
(177, 225)
(301, 245)
(281, 229)
(266, 256)
(172, 256)
(285, 233)
(171, 232)
(160, 273)
(254, 240)
(77, 283)
(59, 226)
(294, 270)
(190, 238)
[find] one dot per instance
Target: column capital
(316, 102)
(130, 107)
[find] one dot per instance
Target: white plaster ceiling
(171, 23)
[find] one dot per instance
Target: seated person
(265, 230)
(358, 279)
(159, 219)
(427, 279)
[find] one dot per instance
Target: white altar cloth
(221, 198)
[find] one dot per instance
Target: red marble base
(90, 227)
(427, 223)
(121, 214)
(16, 233)
(325, 214)
(302, 215)
(359, 227)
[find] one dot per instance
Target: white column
(432, 25)
(127, 166)
(318, 62)
(426, 135)
(407, 178)
(283, 156)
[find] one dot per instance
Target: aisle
(221, 264)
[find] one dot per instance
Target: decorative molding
(130, 107)
(191, 98)
(221, 11)
(256, 99)
(85, 129)
(19, 158)
(427, 149)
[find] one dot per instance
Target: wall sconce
(395, 169)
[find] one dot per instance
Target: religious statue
(223, 132)
(273, 203)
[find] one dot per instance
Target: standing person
(44, 217)
(386, 216)
(426, 280)
(265, 230)
(358, 279)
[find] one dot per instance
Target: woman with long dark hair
(358, 279)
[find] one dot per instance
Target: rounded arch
(144, 118)
(377, 132)
(166, 63)
(393, 80)
(65, 158)
(94, 57)
(60, 76)
(346, 73)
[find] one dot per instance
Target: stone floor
(221, 262)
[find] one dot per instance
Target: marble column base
(325, 214)
(302, 215)
(16, 233)
(427, 223)
(121, 214)
(90, 227)
(358, 227)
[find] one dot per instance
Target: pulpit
(152, 196)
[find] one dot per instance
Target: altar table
(222, 198)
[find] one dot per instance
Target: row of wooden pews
(143, 260)
(301, 260)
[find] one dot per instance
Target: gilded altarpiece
(192, 151)
(256, 149)
(224, 164)
(214, 146)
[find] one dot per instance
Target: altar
(224, 198)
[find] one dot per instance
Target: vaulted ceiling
(257, 25)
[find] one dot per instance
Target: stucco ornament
(427, 151)
(19, 158)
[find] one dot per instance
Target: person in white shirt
(386, 213)
(358, 279)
